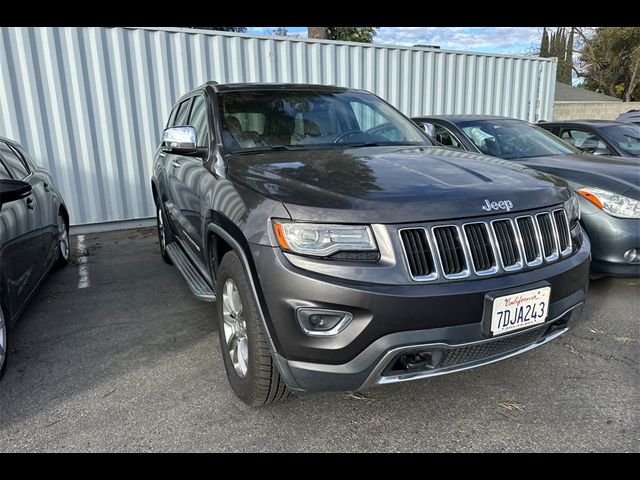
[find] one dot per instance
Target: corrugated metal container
(90, 103)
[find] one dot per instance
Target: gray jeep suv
(344, 250)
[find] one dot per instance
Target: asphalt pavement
(131, 362)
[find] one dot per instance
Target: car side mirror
(429, 128)
(12, 190)
(180, 140)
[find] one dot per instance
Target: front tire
(4, 343)
(250, 369)
(164, 234)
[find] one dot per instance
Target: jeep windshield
(513, 139)
(263, 120)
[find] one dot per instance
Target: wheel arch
(221, 229)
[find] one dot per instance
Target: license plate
(519, 310)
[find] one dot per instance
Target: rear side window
(183, 113)
(4, 173)
(198, 120)
(16, 166)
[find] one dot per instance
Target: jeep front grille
(477, 237)
(480, 248)
(562, 227)
(418, 253)
(550, 247)
(452, 257)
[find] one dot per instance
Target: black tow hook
(414, 361)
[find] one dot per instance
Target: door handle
(30, 203)
(175, 164)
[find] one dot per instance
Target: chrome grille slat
(505, 244)
(483, 257)
(563, 233)
(547, 232)
(451, 254)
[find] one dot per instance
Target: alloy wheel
(63, 237)
(235, 328)
(163, 241)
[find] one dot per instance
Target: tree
(609, 60)
(225, 29)
(345, 34)
(557, 45)
(282, 32)
(544, 45)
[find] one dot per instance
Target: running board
(196, 283)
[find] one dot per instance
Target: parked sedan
(609, 187)
(632, 116)
(34, 234)
(600, 137)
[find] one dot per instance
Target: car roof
(230, 87)
(592, 123)
(465, 118)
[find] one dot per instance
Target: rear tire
(63, 242)
(4, 343)
(165, 237)
(250, 369)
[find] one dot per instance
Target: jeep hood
(392, 184)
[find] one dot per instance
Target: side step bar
(196, 283)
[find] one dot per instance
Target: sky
(509, 40)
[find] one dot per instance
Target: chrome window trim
(536, 238)
(519, 265)
(492, 270)
(405, 258)
(452, 276)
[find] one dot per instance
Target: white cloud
(487, 39)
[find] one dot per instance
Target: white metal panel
(89, 103)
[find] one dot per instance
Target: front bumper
(610, 238)
(391, 320)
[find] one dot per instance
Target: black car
(344, 250)
(609, 187)
(34, 234)
(599, 137)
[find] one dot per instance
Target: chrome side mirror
(429, 128)
(179, 140)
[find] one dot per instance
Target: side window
(4, 173)
(171, 117)
(447, 138)
(582, 139)
(198, 120)
(16, 166)
(183, 114)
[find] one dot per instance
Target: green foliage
(544, 45)
(610, 61)
(557, 45)
(352, 34)
(225, 29)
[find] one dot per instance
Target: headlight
(322, 240)
(572, 207)
(614, 204)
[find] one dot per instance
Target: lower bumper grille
(472, 353)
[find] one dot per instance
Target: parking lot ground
(131, 362)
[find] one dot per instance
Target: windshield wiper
(521, 150)
(270, 148)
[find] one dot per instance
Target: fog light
(632, 255)
(322, 323)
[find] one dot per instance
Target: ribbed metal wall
(90, 103)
